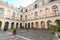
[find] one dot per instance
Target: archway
(16, 25)
(36, 25)
(0, 24)
(32, 25)
(21, 25)
(57, 21)
(42, 25)
(12, 25)
(6, 25)
(49, 24)
(28, 25)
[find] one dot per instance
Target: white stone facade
(37, 15)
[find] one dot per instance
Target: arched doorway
(28, 25)
(6, 25)
(42, 25)
(32, 25)
(16, 25)
(0, 24)
(12, 25)
(36, 25)
(57, 21)
(49, 24)
(21, 25)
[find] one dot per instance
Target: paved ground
(28, 35)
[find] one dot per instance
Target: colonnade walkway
(29, 34)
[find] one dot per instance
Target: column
(3, 24)
(9, 27)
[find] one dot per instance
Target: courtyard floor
(30, 34)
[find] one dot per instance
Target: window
(25, 16)
(2, 10)
(21, 10)
(20, 17)
(36, 13)
(35, 6)
(13, 14)
(47, 10)
(55, 9)
(43, 2)
(26, 10)
(52, 0)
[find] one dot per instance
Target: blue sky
(17, 3)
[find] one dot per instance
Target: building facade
(39, 14)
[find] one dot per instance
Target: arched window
(36, 13)
(13, 15)
(21, 17)
(47, 10)
(35, 6)
(26, 17)
(1, 10)
(55, 9)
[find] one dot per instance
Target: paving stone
(28, 34)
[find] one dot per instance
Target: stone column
(39, 25)
(9, 27)
(14, 24)
(46, 25)
(3, 24)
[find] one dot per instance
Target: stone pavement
(9, 36)
(28, 35)
(37, 34)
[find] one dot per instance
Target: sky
(17, 3)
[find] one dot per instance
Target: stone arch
(0, 24)
(6, 25)
(42, 24)
(28, 25)
(57, 21)
(16, 25)
(48, 24)
(32, 25)
(36, 25)
(20, 25)
(12, 25)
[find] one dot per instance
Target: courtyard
(29, 34)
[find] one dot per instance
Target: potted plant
(14, 31)
(59, 36)
(5, 28)
(54, 28)
(59, 29)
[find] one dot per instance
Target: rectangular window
(25, 17)
(20, 17)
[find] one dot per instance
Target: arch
(42, 24)
(36, 25)
(55, 9)
(16, 25)
(57, 21)
(12, 25)
(20, 25)
(32, 25)
(47, 10)
(6, 25)
(0, 24)
(28, 25)
(35, 5)
(48, 24)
